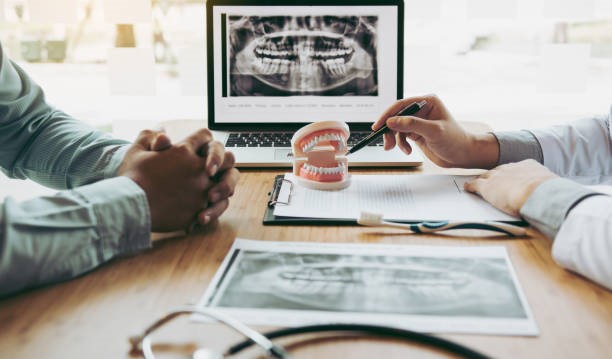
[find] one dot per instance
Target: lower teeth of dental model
(324, 170)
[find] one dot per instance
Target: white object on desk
(424, 288)
(396, 197)
(376, 220)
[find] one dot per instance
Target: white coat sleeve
(584, 241)
(578, 218)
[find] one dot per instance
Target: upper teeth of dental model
(327, 137)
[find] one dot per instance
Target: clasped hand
(185, 182)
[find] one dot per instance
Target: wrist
(550, 202)
(484, 151)
(530, 187)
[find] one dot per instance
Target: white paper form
(396, 197)
(426, 288)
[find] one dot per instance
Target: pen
(406, 111)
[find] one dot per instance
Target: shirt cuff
(122, 214)
(550, 203)
(515, 146)
(115, 161)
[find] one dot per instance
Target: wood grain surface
(93, 316)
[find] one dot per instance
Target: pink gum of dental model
(318, 155)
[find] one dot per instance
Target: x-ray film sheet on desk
(396, 197)
(424, 288)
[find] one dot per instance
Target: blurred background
(123, 65)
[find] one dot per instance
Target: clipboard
(269, 219)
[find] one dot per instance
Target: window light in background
(52, 12)
(422, 9)
(192, 71)
(492, 9)
(491, 54)
(563, 68)
(568, 9)
(483, 57)
(131, 71)
(127, 11)
(422, 62)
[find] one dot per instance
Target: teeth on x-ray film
(336, 279)
(303, 55)
(450, 286)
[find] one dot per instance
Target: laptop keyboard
(360, 135)
(283, 139)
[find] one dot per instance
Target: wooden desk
(93, 316)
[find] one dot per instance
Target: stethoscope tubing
(366, 329)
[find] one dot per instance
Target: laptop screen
(279, 65)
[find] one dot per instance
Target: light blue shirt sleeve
(45, 144)
(578, 218)
(50, 239)
(583, 147)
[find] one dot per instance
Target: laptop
(275, 66)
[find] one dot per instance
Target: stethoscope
(142, 343)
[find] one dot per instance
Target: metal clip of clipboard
(278, 184)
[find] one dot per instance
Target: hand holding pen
(439, 136)
(408, 110)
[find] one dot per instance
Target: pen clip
(419, 105)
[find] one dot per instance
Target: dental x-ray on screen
(293, 63)
(283, 55)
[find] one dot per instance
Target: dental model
(318, 155)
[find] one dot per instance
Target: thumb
(472, 186)
(410, 124)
